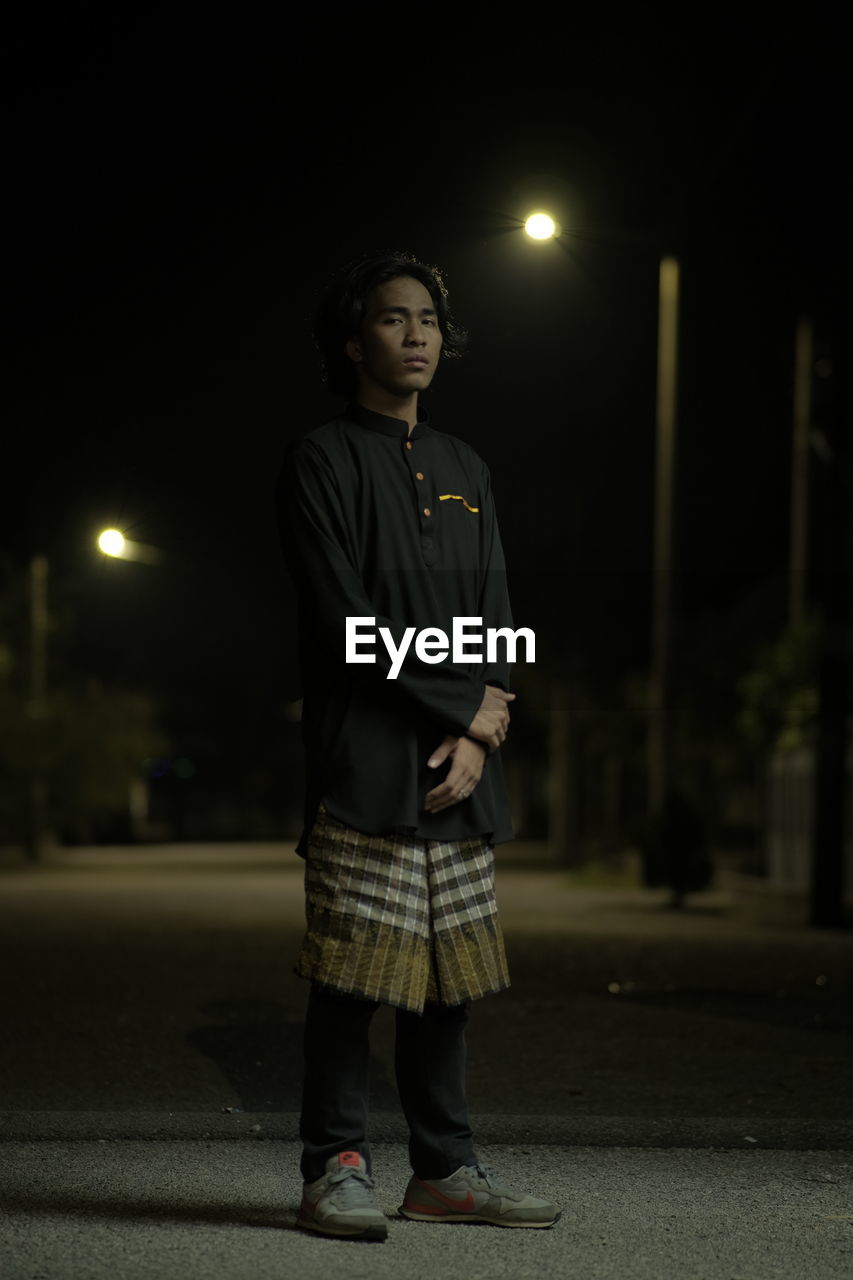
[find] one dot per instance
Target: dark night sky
(182, 186)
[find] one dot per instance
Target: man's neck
(384, 402)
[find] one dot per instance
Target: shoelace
(491, 1177)
(486, 1172)
(354, 1185)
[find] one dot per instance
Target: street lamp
(562, 805)
(660, 718)
(540, 226)
(37, 708)
(113, 543)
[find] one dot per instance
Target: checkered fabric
(401, 920)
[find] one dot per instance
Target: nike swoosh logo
(461, 1206)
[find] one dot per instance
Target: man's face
(399, 344)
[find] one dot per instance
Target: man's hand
(491, 723)
(466, 769)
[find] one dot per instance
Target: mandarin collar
(389, 426)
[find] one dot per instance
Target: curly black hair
(344, 305)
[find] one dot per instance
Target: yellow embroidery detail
(442, 497)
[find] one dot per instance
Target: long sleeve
(321, 551)
(380, 521)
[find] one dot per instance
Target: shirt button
(427, 511)
(408, 444)
(420, 475)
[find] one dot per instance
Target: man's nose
(416, 334)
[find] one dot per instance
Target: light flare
(540, 226)
(112, 543)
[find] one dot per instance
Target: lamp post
(803, 359)
(541, 226)
(113, 543)
(38, 579)
(660, 693)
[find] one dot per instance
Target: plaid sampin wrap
(401, 920)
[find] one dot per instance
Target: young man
(387, 521)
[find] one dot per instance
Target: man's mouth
(420, 361)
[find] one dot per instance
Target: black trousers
(430, 1065)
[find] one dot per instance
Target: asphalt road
(681, 1082)
(195, 1210)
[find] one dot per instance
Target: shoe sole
(374, 1231)
(472, 1217)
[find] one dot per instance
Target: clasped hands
(489, 727)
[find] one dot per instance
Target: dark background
(182, 182)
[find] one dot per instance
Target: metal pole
(661, 639)
(800, 468)
(832, 531)
(38, 697)
(562, 818)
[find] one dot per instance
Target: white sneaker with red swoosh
(475, 1194)
(341, 1203)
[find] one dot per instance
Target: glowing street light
(541, 226)
(113, 543)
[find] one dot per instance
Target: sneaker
(474, 1194)
(341, 1203)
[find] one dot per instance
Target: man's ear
(353, 349)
